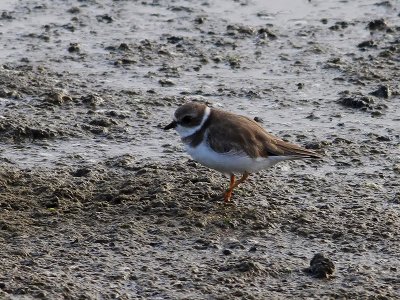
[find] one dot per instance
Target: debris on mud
(365, 103)
(383, 91)
(246, 265)
(57, 97)
(339, 25)
(74, 47)
(166, 82)
(92, 100)
(368, 44)
(379, 24)
(321, 266)
(356, 101)
(5, 93)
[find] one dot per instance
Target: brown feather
(248, 136)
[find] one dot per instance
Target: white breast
(230, 162)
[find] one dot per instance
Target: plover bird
(230, 143)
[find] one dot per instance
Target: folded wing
(246, 135)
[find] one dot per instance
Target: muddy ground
(97, 202)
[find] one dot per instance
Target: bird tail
(297, 152)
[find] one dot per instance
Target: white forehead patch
(188, 131)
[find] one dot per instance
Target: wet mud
(98, 202)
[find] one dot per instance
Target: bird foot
(227, 196)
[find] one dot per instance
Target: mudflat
(98, 202)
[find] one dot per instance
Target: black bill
(170, 125)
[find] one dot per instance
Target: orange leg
(233, 184)
(228, 193)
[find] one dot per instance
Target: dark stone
(258, 120)
(199, 20)
(53, 203)
(174, 39)
(234, 62)
(253, 249)
(339, 25)
(74, 10)
(321, 266)
(82, 172)
(384, 3)
(357, 102)
(102, 122)
(379, 24)
(383, 91)
(227, 252)
(266, 32)
(367, 44)
(123, 47)
(5, 15)
(36, 134)
(383, 138)
(69, 27)
(74, 47)
(125, 61)
(104, 18)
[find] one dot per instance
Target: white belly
(230, 162)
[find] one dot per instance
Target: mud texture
(98, 202)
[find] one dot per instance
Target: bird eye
(187, 119)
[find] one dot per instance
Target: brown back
(246, 134)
